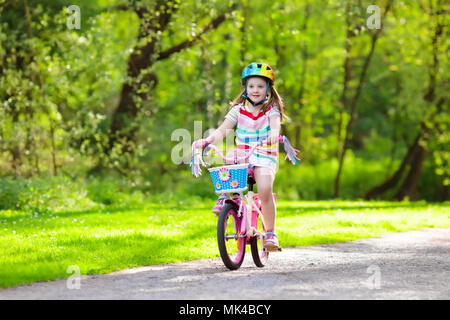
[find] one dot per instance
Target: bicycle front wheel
(259, 254)
(231, 245)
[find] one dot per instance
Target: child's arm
(275, 127)
(218, 134)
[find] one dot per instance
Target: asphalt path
(408, 265)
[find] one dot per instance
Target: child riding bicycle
(257, 114)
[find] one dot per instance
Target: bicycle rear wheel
(231, 246)
(259, 254)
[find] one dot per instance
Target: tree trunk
(396, 124)
(353, 107)
(15, 149)
(123, 126)
(16, 160)
(343, 103)
(349, 127)
(393, 181)
(52, 139)
(301, 94)
(243, 30)
(347, 76)
(408, 188)
(445, 193)
(417, 152)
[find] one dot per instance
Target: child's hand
(200, 143)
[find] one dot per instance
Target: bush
(11, 193)
(104, 192)
(316, 182)
(43, 193)
(305, 182)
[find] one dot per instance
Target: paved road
(410, 265)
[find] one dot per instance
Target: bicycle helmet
(258, 69)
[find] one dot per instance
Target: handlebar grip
(204, 145)
(204, 148)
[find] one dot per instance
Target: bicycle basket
(231, 178)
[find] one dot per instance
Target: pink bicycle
(241, 221)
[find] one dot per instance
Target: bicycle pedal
(277, 249)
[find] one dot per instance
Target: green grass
(308, 223)
(41, 245)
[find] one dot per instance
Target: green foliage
(42, 194)
(48, 193)
(60, 89)
(313, 182)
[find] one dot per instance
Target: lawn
(40, 246)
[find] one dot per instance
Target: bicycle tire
(230, 210)
(259, 255)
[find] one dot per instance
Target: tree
(154, 20)
(353, 102)
(436, 103)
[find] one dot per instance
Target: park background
(89, 108)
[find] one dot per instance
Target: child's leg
(264, 178)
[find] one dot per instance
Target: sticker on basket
(224, 174)
(234, 184)
(218, 186)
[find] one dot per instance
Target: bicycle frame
(246, 205)
(250, 228)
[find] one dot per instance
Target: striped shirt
(250, 129)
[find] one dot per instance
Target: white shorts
(261, 162)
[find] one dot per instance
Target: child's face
(256, 89)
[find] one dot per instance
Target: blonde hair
(274, 99)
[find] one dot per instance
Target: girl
(257, 114)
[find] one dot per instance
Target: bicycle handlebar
(236, 159)
(196, 161)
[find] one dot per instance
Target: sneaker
(220, 202)
(271, 241)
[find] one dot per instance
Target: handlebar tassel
(196, 160)
(291, 153)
